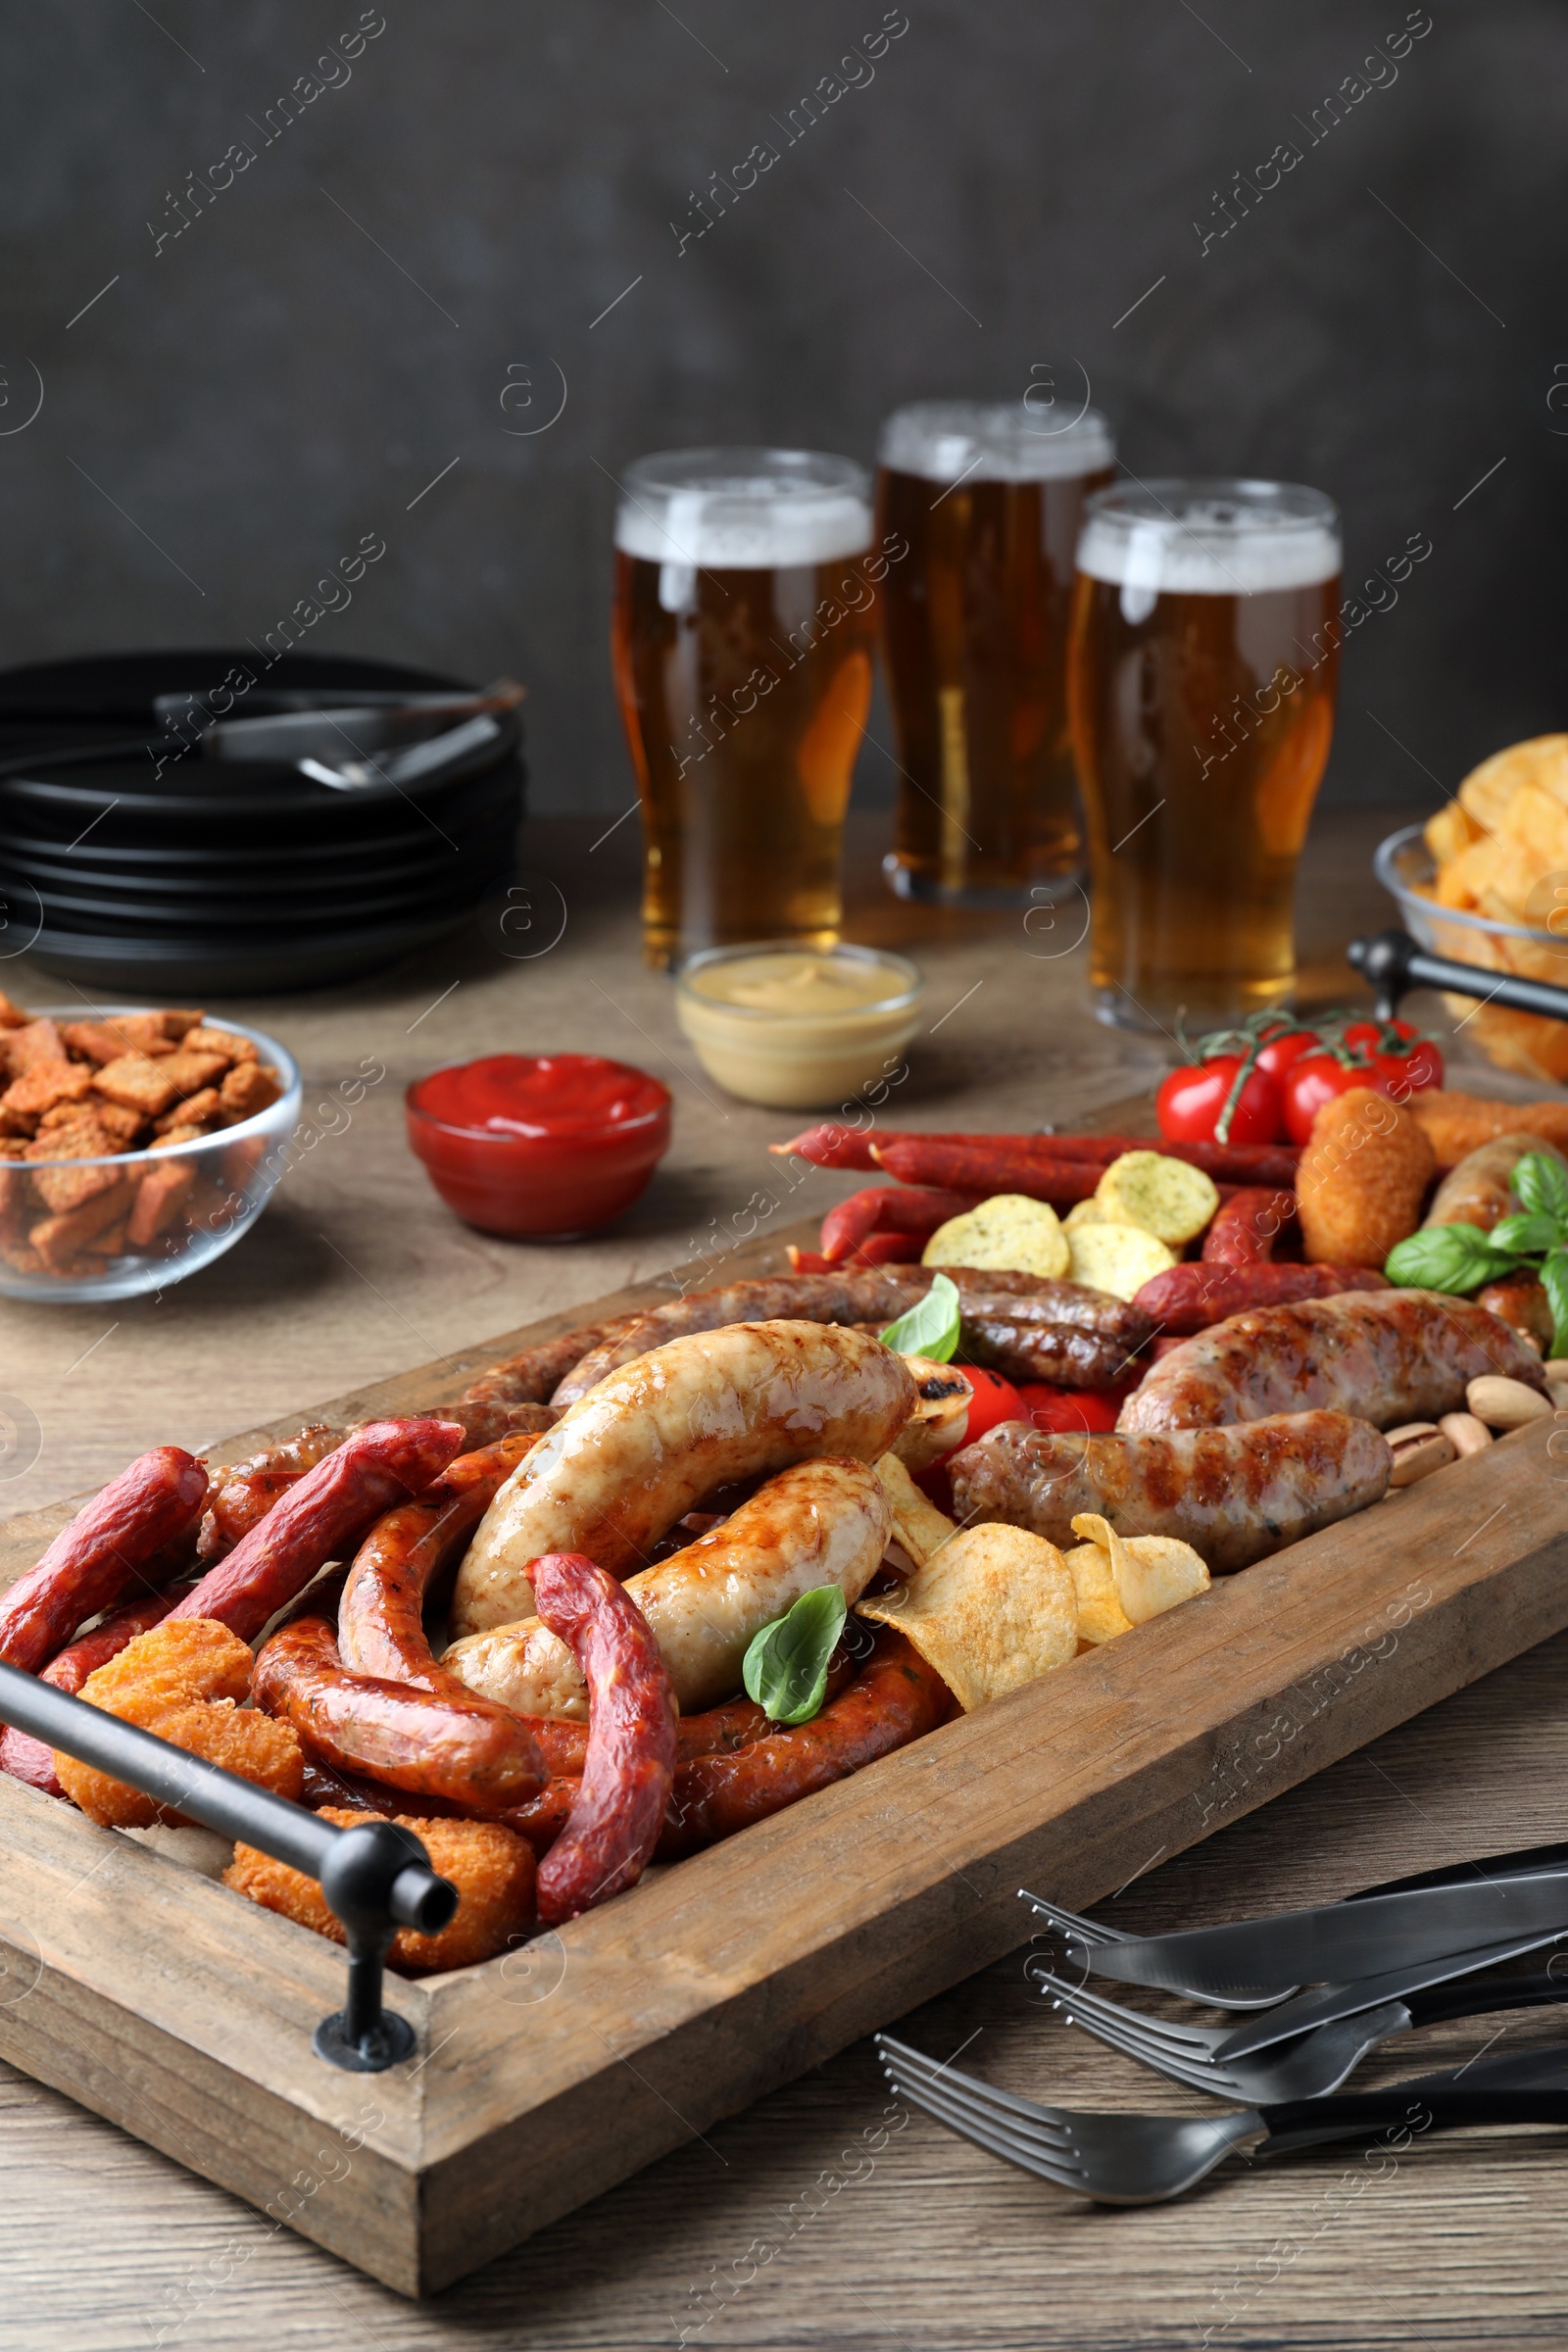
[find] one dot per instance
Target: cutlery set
(1387, 1960)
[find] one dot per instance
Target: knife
(1332, 2002)
(1339, 1943)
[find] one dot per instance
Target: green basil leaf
(1529, 1234)
(1540, 1184)
(1447, 1257)
(1555, 1276)
(785, 1669)
(930, 1329)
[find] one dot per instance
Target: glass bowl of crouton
(137, 1144)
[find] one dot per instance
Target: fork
(1306, 2068)
(1145, 2159)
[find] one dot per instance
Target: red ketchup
(540, 1146)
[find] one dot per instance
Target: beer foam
(995, 441)
(761, 510)
(1211, 547)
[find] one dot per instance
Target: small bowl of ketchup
(539, 1147)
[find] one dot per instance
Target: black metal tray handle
(1395, 963)
(376, 1877)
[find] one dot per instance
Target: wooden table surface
(779, 2228)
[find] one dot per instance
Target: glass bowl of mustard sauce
(799, 1028)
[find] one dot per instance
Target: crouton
(137, 1082)
(246, 1090)
(44, 1086)
(160, 1197)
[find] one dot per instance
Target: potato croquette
(492, 1869)
(185, 1680)
(1362, 1179)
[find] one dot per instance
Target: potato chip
(1009, 1233)
(1100, 1615)
(994, 1608)
(1088, 1212)
(1489, 790)
(1536, 822)
(1152, 1573)
(916, 1523)
(1117, 1258)
(1165, 1196)
(1451, 830)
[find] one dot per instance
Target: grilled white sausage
(635, 1454)
(821, 1522)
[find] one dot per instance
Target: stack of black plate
(184, 874)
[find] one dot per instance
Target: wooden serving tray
(185, 2013)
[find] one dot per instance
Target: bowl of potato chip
(1486, 882)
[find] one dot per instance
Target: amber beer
(745, 588)
(1202, 678)
(990, 497)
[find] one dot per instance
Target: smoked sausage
(610, 1832)
(329, 1507)
(1188, 1299)
(102, 1552)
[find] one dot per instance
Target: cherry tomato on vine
(1089, 1410)
(1192, 1099)
(1284, 1051)
(1406, 1061)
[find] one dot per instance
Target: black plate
(219, 877)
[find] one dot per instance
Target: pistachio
(1418, 1457)
(1505, 1403)
(1465, 1433)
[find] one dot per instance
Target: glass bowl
(800, 1056)
(1527, 1041)
(205, 1195)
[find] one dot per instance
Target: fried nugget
(491, 1866)
(1362, 1179)
(183, 1680)
(1456, 1124)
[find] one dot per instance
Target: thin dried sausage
(614, 1820)
(328, 1508)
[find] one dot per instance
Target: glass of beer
(1201, 675)
(741, 642)
(988, 498)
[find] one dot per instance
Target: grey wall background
(334, 331)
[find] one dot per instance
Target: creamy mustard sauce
(798, 1028)
(799, 985)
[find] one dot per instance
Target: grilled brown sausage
(243, 1492)
(1387, 1356)
(1235, 1495)
(873, 1298)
